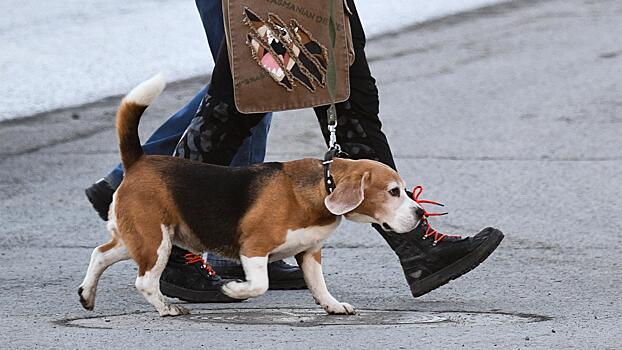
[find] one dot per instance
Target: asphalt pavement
(510, 115)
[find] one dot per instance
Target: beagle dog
(253, 214)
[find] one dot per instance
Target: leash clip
(334, 150)
(331, 115)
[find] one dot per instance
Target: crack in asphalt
(77, 136)
(95, 126)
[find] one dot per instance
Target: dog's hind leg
(150, 267)
(101, 258)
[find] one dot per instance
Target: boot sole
(460, 267)
(196, 296)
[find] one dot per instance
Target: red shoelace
(438, 236)
(194, 258)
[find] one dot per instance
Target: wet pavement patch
(298, 317)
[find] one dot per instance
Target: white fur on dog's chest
(303, 239)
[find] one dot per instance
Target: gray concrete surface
(511, 115)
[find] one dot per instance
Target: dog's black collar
(332, 153)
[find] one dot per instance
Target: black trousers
(218, 129)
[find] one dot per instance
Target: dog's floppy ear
(348, 194)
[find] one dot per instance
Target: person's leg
(429, 259)
(210, 12)
(359, 130)
(214, 136)
(253, 150)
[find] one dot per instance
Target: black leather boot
(100, 196)
(189, 278)
(430, 259)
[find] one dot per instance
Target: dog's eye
(395, 192)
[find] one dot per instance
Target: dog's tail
(128, 115)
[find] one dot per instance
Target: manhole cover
(315, 317)
(296, 318)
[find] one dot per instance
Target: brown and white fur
(256, 214)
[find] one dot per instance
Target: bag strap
(334, 150)
(332, 78)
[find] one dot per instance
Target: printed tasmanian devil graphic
(286, 53)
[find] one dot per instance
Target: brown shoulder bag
(278, 50)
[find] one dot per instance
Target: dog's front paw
(242, 290)
(234, 289)
(340, 309)
(173, 310)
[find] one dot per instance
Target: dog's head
(371, 192)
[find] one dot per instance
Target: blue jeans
(166, 137)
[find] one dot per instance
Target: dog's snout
(419, 211)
